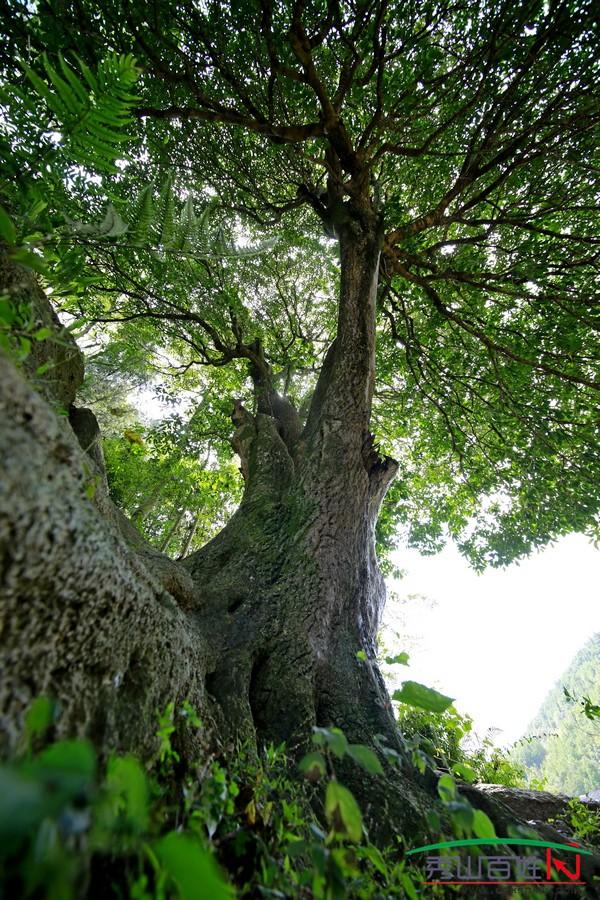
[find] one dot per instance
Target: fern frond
(158, 229)
(166, 210)
(143, 216)
(203, 236)
(187, 226)
(112, 225)
(92, 110)
(76, 85)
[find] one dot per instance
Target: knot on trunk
(381, 469)
(265, 459)
(243, 435)
(286, 417)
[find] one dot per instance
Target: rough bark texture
(261, 627)
(290, 588)
(82, 618)
(60, 357)
(532, 806)
(538, 810)
(88, 611)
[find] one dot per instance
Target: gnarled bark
(261, 627)
(291, 590)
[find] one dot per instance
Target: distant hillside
(566, 749)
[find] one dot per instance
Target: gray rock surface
(536, 806)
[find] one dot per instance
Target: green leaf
(39, 717)
(63, 89)
(29, 260)
(342, 811)
(433, 820)
(337, 742)
(143, 215)
(360, 654)
(7, 311)
(23, 804)
(375, 858)
(91, 113)
(88, 75)
(366, 758)
(65, 770)
(44, 92)
(461, 812)
(334, 738)
(193, 870)
(483, 827)
(126, 779)
(75, 758)
(112, 225)
(7, 228)
(401, 659)
(42, 334)
(24, 347)
(407, 884)
(38, 207)
(414, 694)
(464, 771)
(420, 760)
(446, 788)
(166, 212)
(313, 765)
(296, 848)
(392, 756)
(75, 83)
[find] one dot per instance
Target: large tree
(447, 150)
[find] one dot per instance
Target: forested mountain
(562, 745)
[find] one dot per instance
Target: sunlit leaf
(415, 694)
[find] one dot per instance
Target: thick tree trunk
(269, 624)
(291, 590)
(259, 630)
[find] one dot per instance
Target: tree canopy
(364, 234)
(246, 135)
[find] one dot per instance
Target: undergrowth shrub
(448, 741)
(235, 823)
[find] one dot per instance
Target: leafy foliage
(91, 109)
(447, 740)
(239, 813)
(584, 821)
(242, 823)
(164, 478)
(473, 127)
(590, 710)
(169, 226)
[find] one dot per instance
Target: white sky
(496, 642)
